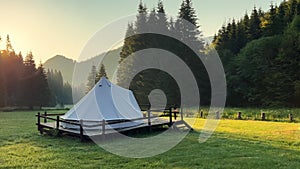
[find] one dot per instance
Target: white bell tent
(106, 101)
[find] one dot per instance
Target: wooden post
(291, 117)
(175, 114)
(149, 120)
(57, 122)
(201, 114)
(181, 114)
(45, 119)
(81, 130)
(103, 127)
(149, 117)
(239, 115)
(170, 116)
(217, 115)
(39, 122)
(263, 116)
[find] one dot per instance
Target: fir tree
(189, 33)
(42, 90)
(292, 9)
(162, 20)
(141, 19)
(255, 25)
(29, 77)
(129, 43)
(270, 23)
(91, 79)
(61, 93)
(101, 73)
(9, 47)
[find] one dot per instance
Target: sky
(63, 27)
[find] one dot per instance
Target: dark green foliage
(22, 85)
(11, 66)
(261, 57)
(42, 90)
(146, 81)
(256, 69)
(255, 26)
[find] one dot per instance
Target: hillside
(63, 64)
(66, 66)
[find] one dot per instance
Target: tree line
(260, 54)
(25, 85)
(156, 20)
(61, 93)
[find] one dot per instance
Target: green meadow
(234, 144)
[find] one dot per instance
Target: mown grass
(235, 144)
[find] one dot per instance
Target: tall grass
(272, 114)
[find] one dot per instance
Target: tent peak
(104, 81)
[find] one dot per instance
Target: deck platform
(157, 122)
(49, 122)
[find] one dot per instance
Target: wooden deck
(49, 122)
(157, 122)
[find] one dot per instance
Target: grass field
(235, 144)
(272, 114)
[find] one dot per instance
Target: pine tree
(152, 21)
(255, 25)
(141, 19)
(241, 36)
(281, 23)
(246, 25)
(68, 99)
(270, 22)
(129, 43)
(293, 9)
(60, 92)
(162, 20)
(287, 12)
(298, 9)
(101, 73)
(42, 90)
(29, 75)
(188, 33)
(9, 47)
(91, 79)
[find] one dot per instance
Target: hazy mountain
(63, 64)
(82, 69)
(66, 65)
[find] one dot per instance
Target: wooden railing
(82, 123)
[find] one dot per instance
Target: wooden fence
(46, 117)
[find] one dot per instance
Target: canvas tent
(105, 101)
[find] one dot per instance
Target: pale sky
(51, 27)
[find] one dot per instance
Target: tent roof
(105, 101)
